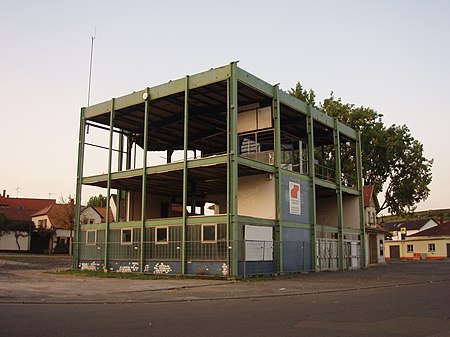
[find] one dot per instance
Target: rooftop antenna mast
(17, 189)
(90, 66)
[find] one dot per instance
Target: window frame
(121, 236)
(432, 247)
(410, 248)
(167, 235)
(87, 237)
(203, 233)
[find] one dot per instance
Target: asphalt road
(410, 310)
(398, 299)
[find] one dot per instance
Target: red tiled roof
(368, 192)
(60, 215)
(21, 209)
(439, 230)
(416, 224)
(102, 212)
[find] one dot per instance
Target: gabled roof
(369, 194)
(416, 224)
(102, 212)
(439, 230)
(22, 209)
(60, 215)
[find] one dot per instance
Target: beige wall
(420, 245)
(256, 196)
(90, 214)
(351, 212)
(327, 212)
(36, 219)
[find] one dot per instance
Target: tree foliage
(97, 201)
(392, 159)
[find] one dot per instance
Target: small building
(219, 173)
(401, 229)
(17, 217)
(55, 225)
(430, 244)
(375, 233)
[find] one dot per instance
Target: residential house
(375, 233)
(401, 229)
(431, 244)
(17, 213)
(55, 223)
(219, 173)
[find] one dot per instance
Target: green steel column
(337, 154)
(233, 171)
(359, 169)
(144, 181)
(278, 195)
(119, 168)
(108, 188)
(312, 184)
(185, 174)
(77, 225)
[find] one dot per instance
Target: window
(162, 235)
(91, 221)
(126, 236)
(42, 223)
(209, 233)
(409, 248)
(91, 237)
(431, 247)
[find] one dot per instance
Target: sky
(390, 55)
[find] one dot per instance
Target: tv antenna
(17, 189)
(90, 66)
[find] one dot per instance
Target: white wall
(351, 212)
(256, 196)
(90, 214)
(8, 241)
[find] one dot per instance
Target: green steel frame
(233, 75)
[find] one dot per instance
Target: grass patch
(135, 276)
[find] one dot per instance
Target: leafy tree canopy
(392, 159)
(97, 201)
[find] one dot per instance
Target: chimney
(4, 193)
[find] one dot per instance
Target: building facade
(219, 173)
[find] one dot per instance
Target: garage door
(394, 252)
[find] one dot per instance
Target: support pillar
(144, 182)
(312, 185)
(337, 154)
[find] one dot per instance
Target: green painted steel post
(77, 224)
(119, 168)
(278, 187)
(185, 175)
(337, 154)
(359, 169)
(312, 185)
(108, 188)
(144, 181)
(233, 171)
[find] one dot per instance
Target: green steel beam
(256, 164)
(347, 131)
(351, 191)
(312, 185)
(81, 139)
(293, 102)
(322, 118)
(253, 82)
(278, 185)
(113, 225)
(232, 168)
(337, 154)
(294, 174)
(254, 220)
(327, 228)
(185, 174)
(352, 231)
(361, 199)
(173, 87)
(326, 184)
(297, 225)
(108, 188)
(146, 96)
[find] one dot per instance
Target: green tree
(97, 201)
(392, 159)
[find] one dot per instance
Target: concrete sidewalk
(27, 285)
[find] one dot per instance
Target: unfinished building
(218, 173)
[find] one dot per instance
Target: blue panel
(256, 268)
(304, 217)
(206, 268)
(296, 249)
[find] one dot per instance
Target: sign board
(295, 205)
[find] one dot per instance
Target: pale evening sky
(393, 56)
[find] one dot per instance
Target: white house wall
(8, 241)
(351, 212)
(256, 196)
